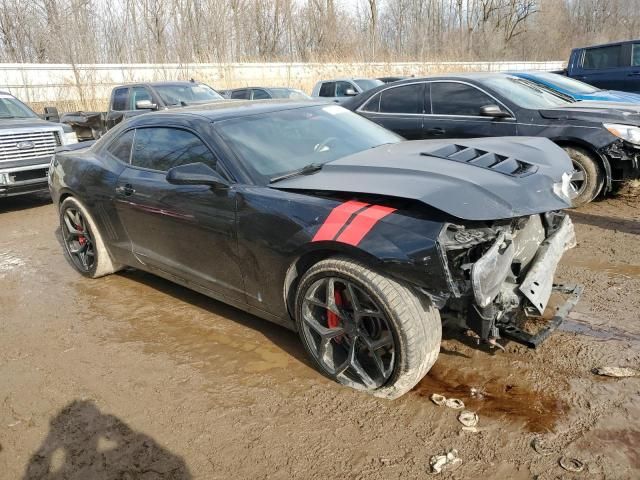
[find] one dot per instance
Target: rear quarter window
(328, 89)
(120, 99)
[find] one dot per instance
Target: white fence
(88, 86)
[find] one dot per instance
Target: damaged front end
(504, 270)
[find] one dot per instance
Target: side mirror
(196, 174)
(145, 105)
(350, 92)
(493, 111)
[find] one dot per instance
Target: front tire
(83, 243)
(588, 178)
(366, 330)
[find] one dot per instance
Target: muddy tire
(364, 329)
(83, 244)
(589, 178)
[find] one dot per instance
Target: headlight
(488, 273)
(626, 132)
(69, 138)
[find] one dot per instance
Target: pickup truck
(135, 99)
(613, 66)
(27, 144)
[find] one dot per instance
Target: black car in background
(312, 217)
(264, 93)
(603, 140)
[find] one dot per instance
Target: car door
(455, 112)
(118, 107)
(185, 230)
(399, 109)
(609, 67)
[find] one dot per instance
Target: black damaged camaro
(315, 218)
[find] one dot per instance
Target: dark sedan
(264, 93)
(317, 219)
(603, 140)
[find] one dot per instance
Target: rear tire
(384, 312)
(83, 243)
(589, 179)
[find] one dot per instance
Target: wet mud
(130, 376)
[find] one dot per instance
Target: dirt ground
(130, 376)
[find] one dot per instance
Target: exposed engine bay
(498, 270)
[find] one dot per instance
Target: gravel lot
(130, 376)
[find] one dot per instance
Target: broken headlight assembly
(628, 133)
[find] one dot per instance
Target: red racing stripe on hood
(363, 223)
(336, 220)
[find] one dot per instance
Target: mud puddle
(584, 325)
(612, 269)
(495, 395)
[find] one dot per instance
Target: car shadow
(24, 202)
(84, 443)
(608, 223)
(285, 339)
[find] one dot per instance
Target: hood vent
(483, 159)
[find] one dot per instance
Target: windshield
(275, 143)
(193, 93)
(11, 107)
(523, 93)
(367, 83)
(565, 83)
(289, 93)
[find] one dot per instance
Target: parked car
(27, 144)
(576, 90)
(614, 66)
(264, 93)
(341, 89)
(130, 100)
(602, 141)
(319, 220)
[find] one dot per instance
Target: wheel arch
(306, 259)
(603, 162)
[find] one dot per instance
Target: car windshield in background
(565, 83)
(189, 94)
(289, 93)
(13, 108)
(524, 93)
(275, 143)
(367, 84)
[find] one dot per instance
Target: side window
(373, 105)
(405, 99)
(635, 55)
(342, 87)
(121, 146)
(328, 89)
(243, 94)
(259, 94)
(139, 93)
(120, 99)
(603, 57)
(162, 148)
(450, 98)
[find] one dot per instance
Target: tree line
(229, 31)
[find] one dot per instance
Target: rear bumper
(24, 180)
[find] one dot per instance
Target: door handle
(436, 131)
(125, 190)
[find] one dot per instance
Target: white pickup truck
(27, 144)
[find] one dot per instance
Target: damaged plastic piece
(571, 464)
(541, 449)
(618, 372)
(468, 418)
(441, 400)
(449, 461)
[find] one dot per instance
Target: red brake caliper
(81, 239)
(333, 320)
